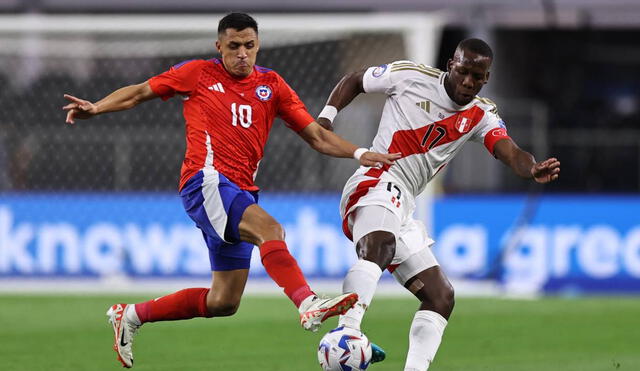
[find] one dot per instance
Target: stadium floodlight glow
(420, 31)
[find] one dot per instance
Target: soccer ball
(344, 349)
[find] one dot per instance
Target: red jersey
(228, 119)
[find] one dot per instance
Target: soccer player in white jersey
(428, 116)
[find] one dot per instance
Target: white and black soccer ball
(344, 349)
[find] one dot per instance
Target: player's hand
(79, 109)
(375, 159)
(546, 171)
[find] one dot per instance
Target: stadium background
(93, 207)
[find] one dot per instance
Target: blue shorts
(216, 205)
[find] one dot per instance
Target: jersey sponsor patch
(264, 93)
(378, 71)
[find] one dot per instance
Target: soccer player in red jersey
(229, 107)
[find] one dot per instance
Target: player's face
(468, 72)
(239, 50)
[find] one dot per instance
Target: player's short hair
(238, 21)
(477, 46)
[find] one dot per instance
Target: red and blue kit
(227, 121)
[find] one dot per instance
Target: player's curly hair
(238, 21)
(477, 46)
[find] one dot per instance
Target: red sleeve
(493, 136)
(179, 79)
(291, 109)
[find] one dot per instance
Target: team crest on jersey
(463, 124)
(263, 92)
(378, 71)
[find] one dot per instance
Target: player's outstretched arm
(343, 93)
(121, 99)
(329, 143)
(524, 164)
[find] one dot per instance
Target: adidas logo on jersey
(425, 106)
(216, 87)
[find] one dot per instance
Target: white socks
(304, 305)
(427, 326)
(424, 339)
(132, 315)
(362, 279)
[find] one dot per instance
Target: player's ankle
(132, 316)
(351, 323)
(306, 302)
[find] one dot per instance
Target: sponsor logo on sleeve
(378, 71)
(264, 93)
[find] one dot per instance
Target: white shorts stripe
(213, 202)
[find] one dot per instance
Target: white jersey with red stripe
(420, 121)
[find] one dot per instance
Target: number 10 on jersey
(241, 113)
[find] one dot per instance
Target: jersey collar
(239, 80)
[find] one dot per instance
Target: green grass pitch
(71, 333)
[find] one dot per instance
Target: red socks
(183, 304)
(283, 270)
(190, 303)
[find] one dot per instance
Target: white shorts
(413, 253)
(363, 190)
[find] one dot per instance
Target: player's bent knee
(276, 230)
(441, 300)
(270, 232)
(257, 226)
(444, 296)
(378, 247)
(448, 298)
(259, 234)
(222, 307)
(434, 291)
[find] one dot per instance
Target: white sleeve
(378, 80)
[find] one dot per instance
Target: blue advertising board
(563, 243)
(546, 244)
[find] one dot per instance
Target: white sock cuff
(370, 268)
(132, 314)
(434, 317)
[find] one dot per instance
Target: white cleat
(318, 310)
(123, 331)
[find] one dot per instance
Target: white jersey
(420, 121)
